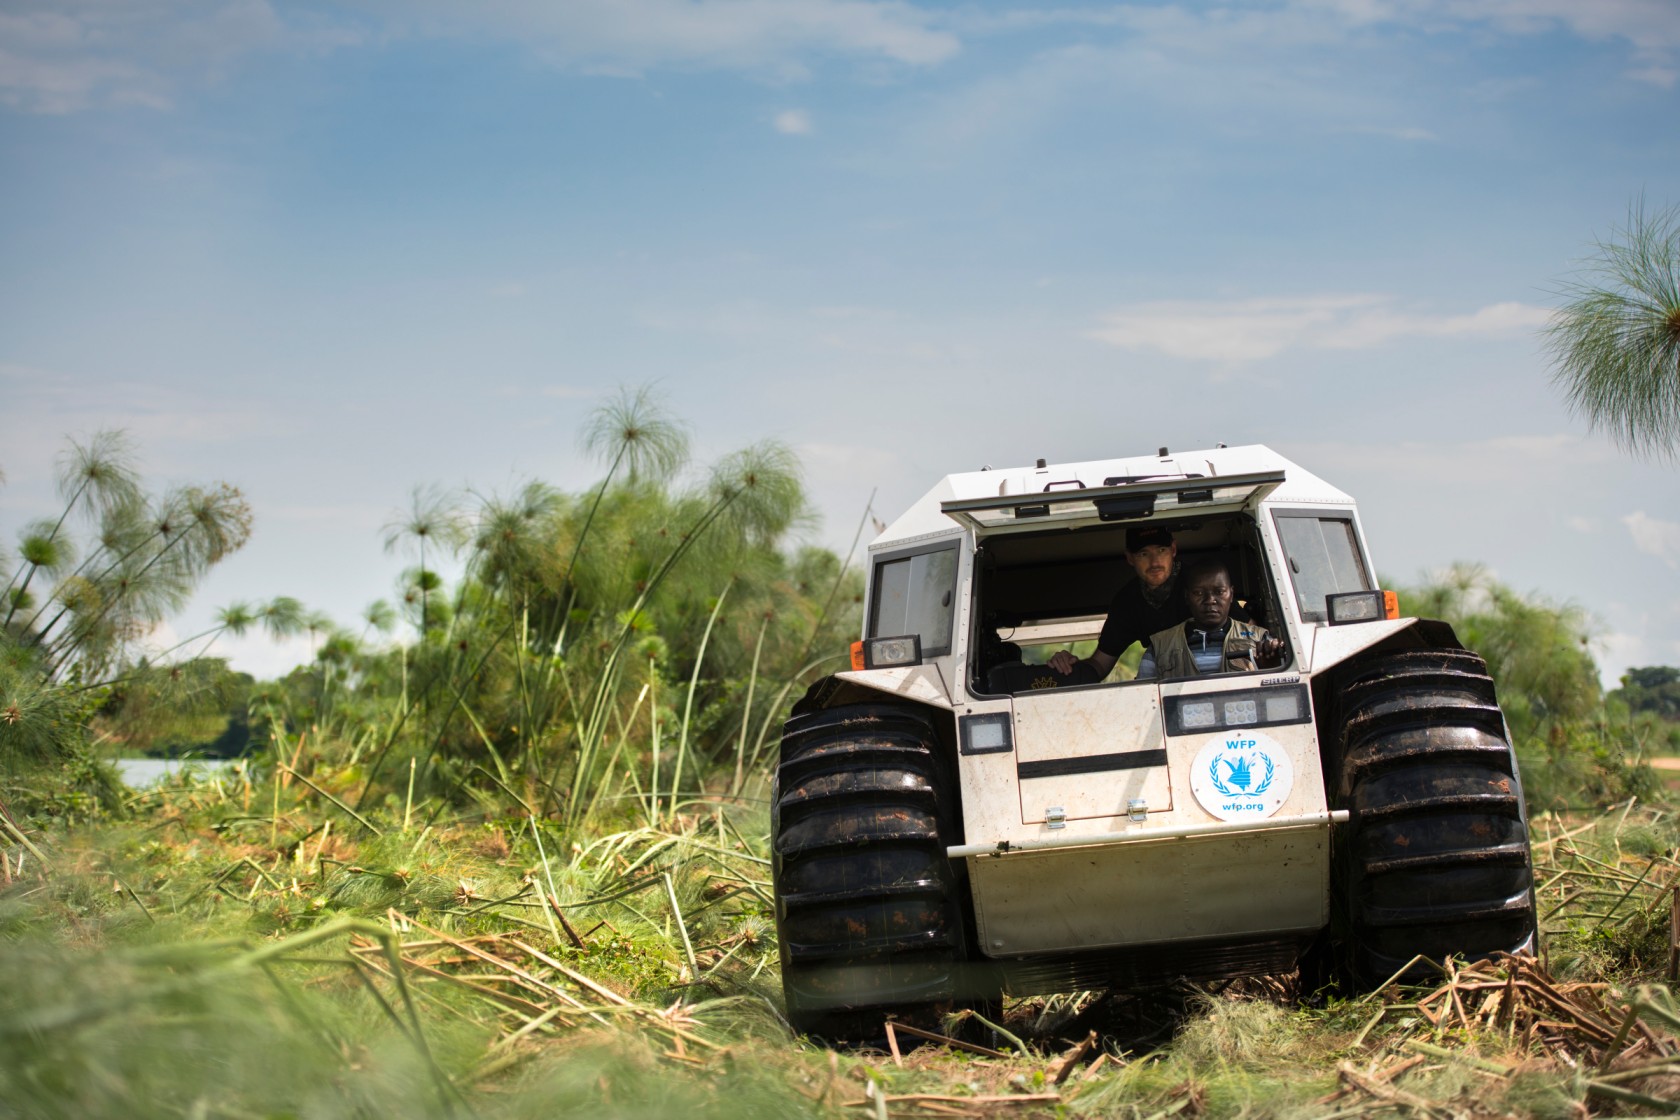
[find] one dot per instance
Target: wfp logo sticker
(1242, 775)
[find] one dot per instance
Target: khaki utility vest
(1172, 650)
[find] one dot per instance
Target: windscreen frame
(1319, 612)
(878, 564)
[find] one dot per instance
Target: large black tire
(869, 913)
(1435, 857)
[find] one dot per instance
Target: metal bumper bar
(1165, 832)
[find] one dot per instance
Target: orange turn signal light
(1391, 605)
(857, 656)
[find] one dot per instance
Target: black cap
(1142, 536)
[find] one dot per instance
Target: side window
(916, 594)
(1323, 557)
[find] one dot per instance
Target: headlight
(1284, 707)
(1250, 707)
(884, 653)
(1196, 714)
(1241, 713)
(1361, 606)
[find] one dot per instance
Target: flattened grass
(212, 959)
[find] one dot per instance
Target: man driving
(1210, 640)
(1142, 607)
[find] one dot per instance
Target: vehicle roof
(925, 519)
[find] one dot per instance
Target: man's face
(1153, 563)
(1210, 599)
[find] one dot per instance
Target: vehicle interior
(1036, 593)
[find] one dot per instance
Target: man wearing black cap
(1142, 607)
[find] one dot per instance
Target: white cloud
(359, 515)
(1662, 77)
(793, 122)
(1326, 64)
(45, 407)
(61, 56)
(1621, 650)
(264, 657)
(1647, 25)
(1650, 27)
(1655, 537)
(1542, 459)
(1643, 24)
(631, 35)
(1240, 331)
(1408, 133)
(64, 56)
(1253, 69)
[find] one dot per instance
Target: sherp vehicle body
(940, 837)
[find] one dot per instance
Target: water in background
(143, 772)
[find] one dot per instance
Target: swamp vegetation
(500, 850)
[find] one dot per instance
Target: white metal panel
(1064, 631)
(911, 682)
(1104, 896)
(924, 517)
(919, 521)
(991, 802)
(1161, 832)
(998, 806)
(1334, 644)
(1034, 512)
(1098, 741)
(1118, 891)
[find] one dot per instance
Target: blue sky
(331, 251)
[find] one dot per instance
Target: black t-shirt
(1132, 618)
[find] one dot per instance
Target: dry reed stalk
(1090, 1071)
(1388, 1094)
(17, 834)
(947, 1040)
(1057, 1071)
(527, 979)
(359, 819)
(947, 1098)
(291, 768)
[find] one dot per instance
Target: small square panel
(986, 734)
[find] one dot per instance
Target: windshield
(915, 594)
(1324, 559)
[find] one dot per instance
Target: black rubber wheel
(1435, 857)
(869, 914)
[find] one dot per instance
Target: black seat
(1014, 677)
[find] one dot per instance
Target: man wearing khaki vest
(1210, 641)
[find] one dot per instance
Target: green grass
(236, 950)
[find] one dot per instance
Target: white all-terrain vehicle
(940, 838)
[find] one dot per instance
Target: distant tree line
(1654, 689)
